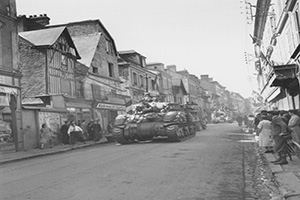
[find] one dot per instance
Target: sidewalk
(287, 176)
(12, 156)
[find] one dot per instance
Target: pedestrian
(265, 136)
(89, 129)
(46, 137)
(74, 132)
(257, 120)
(96, 129)
(84, 126)
(294, 125)
(110, 127)
(280, 135)
(64, 132)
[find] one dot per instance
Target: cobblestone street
(219, 163)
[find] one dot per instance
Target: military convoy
(148, 120)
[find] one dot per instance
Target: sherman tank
(148, 120)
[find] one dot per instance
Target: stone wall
(32, 64)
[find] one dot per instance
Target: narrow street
(219, 163)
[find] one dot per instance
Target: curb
(51, 152)
(286, 192)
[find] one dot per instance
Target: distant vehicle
(220, 117)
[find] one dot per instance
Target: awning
(278, 96)
(286, 77)
(284, 74)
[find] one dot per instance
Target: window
(107, 46)
(79, 88)
(134, 77)
(141, 81)
(64, 62)
(110, 70)
(142, 61)
(95, 70)
(65, 87)
(153, 84)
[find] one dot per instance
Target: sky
(201, 36)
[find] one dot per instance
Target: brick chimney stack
(42, 19)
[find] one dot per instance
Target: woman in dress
(264, 129)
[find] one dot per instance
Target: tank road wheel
(193, 130)
(176, 135)
(119, 137)
(186, 131)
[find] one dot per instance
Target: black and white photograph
(149, 100)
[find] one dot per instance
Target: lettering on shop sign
(110, 107)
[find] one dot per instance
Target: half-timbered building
(101, 84)
(47, 61)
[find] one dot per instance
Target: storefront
(10, 119)
(107, 112)
(79, 110)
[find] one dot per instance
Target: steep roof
(43, 37)
(130, 52)
(97, 21)
(48, 37)
(87, 45)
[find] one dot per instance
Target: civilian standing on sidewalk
(294, 125)
(46, 136)
(74, 131)
(64, 132)
(265, 136)
(96, 129)
(279, 132)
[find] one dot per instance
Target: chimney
(204, 77)
(172, 68)
(42, 19)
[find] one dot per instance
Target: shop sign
(110, 106)
(71, 109)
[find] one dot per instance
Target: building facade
(276, 42)
(139, 80)
(179, 85)
(165, 79)
(10, 95)
(101, 84)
